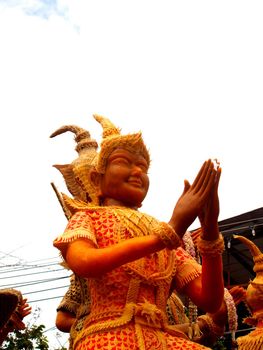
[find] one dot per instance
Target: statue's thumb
(186, 186)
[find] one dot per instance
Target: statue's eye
(120, 160)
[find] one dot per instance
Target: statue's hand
(193, 198)
(22, 311)
(238, 293)
(209, 213)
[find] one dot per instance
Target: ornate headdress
(112, 139)
(254, 299)
(76, 174)
(254, 296)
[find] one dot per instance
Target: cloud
(40, 8)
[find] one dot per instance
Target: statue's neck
(116, 203)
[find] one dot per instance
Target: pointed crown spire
(76, 174)
(255, 252)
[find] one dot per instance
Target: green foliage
(31, 338)
(220, 344)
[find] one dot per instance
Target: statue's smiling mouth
(135, 182)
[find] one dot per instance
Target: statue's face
(125, 178)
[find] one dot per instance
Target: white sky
(189, 74)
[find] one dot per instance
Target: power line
(50, 329)
(240, 228)
(45, 290)
(32, 273)
(27, 267)
(44, 259)
(10, 255)
(241, 222)
(30, 283)
(35, 301)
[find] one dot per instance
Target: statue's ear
(95, 178)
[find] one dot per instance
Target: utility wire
(241, 228)
(50, 329)
(241, 222)
(28, 267)
(22, 268)
(32, 273)
(45, 290)
(30, 283)
(36, 301)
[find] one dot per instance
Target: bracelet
(212, 326)
(211, 248)
(168, 235)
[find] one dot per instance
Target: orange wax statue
(206, 329)
(254, 300)
(13, 309)
(129, 260)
